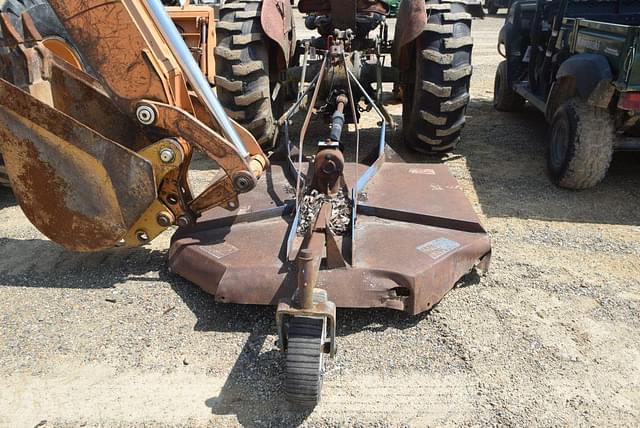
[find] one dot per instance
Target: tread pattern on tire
(591, 151)
(45, 19)
(242, 68)
(303, 381)
(443, 73)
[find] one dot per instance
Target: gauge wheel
(305, 363)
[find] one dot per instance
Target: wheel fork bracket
(326, 310)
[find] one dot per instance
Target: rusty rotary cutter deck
(412, 236)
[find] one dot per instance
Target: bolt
(142, 236)
(184, 221)
(164, 220)
(167, 155)
(329, 167)
(242, 182)
(146, 115)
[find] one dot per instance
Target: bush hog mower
(98, 129)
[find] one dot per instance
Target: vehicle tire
(243, 81)
(436, 89)
(54, 35)
(491, 8)
(504, 97)
(580, 145)
(305, 361)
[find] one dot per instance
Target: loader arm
(100, 158)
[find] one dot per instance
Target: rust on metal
(405, 262)
(328, 170)
(325, 310)
(82, 97)
(310, 256)
(413, 16)
(80, 160)
(224, 192)
(74, 185)
(276, 17)
(115, 47)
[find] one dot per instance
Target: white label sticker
(611, 51)
(244, 210)
(438, 247)
(220, 250)
(422, 171)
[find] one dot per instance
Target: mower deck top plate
(415, 238)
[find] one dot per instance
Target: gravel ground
(548, 337)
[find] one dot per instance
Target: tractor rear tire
(242, 78)
(436, 90)
(580, 145)
(305, 361)
(50, 28)
(504, 97)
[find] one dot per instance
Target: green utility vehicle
(579, 63)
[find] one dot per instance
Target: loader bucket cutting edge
(417, 236)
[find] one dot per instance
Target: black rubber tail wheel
(436, 90)
(49, 26)
(504, 97)
(243, 81)
(305, 361)
(580, 145)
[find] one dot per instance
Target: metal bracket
(325, 310)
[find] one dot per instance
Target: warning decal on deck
(422, 171)
(438, 247)
(220, 250)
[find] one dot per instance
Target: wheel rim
(559, 145)
(63, 51)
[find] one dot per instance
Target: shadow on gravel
(506, 157)
(42, 263)
(6, 198)
(505, 154)
(253, 391)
